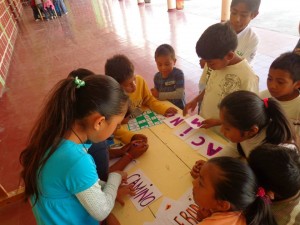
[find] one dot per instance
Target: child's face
(281, 86)
(230, 132)
(203, 188)
(240, 17)
(165, 64)
(129, 85)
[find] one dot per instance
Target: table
(167, 163)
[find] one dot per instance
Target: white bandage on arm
(100, 201)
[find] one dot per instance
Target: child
(169, 81)
(101, 152)
(60, 177)
(228, 192)
(241, 13)
(34, 10)
(40, 7)
(283, 85)
(277, 169)
(250, 121)
(49, 7)
(224, 72)
(122, 70)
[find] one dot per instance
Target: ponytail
(279, 129)
(243, 109)
(259, 212)
(237, 185)
(53, 121)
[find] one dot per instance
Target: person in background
(169, 80)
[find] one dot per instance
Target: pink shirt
(48, 4)
(224, 218)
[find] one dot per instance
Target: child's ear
(252, 132)
(254, 14)
(98, 122)
(229, 56)
(223, 206)
(297, 84)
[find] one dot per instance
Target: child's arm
(94, 198)
(192, 104)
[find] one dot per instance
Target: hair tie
(266, 102)
(262, 194)
(80, 83)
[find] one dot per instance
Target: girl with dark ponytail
(60, 178)
(250, 121)
(227, 191)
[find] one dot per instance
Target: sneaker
(66, 13)
(37, 20)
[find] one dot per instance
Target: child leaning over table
(122, 70)
(169, 81)
(224, 72)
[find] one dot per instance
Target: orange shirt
(225, 218)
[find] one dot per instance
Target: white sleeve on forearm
(100, 201)
(177, 94)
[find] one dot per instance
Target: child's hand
(190, 106)
(155, 92)
(123, 191)
(137, 148)
(139, 137)
(210, 123)
(203, 213)
(196, 168)
(170, 112)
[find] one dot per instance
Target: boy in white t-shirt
(283, 84)
(241, 13)
(224, 71)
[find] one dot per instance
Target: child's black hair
(289, 62)
(237, 184)
(252, 5)
(216, 42)
(244, 109)
(81, 73)
(277, 169)
(119, 67)
(164, 50)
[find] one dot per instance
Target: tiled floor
(93, 31)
